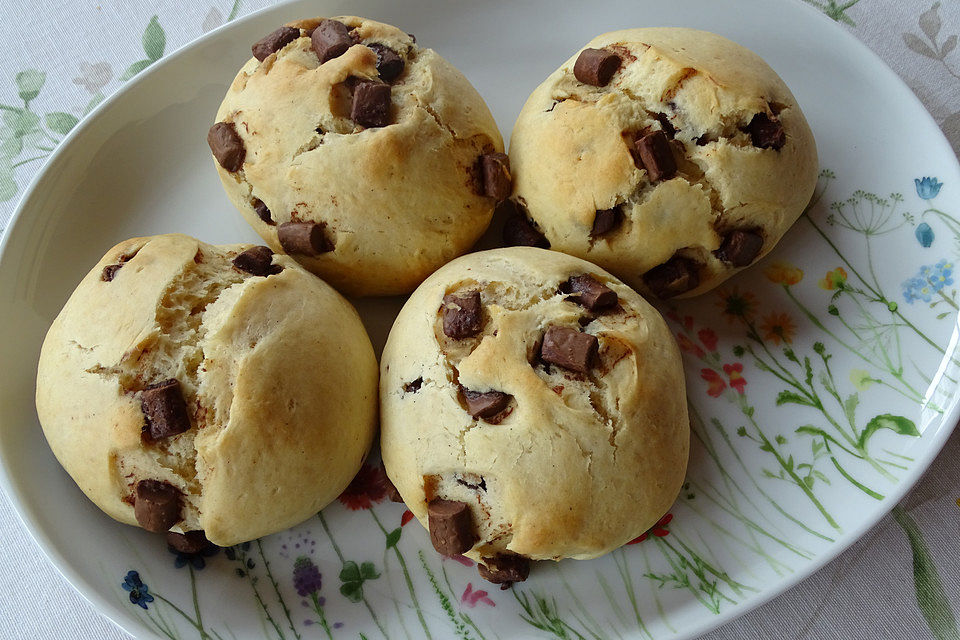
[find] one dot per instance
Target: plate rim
(131, 625)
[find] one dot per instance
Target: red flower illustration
(659, 530)
(735, 371)
(709, 339)
(688, 345)
(471, 598)
(368, 487)
(688, 323)
(406, 517)
(717, 384)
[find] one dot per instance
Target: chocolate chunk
(666, 125)
(569, 348)
(589, 292)
(519, 231)
(164, 409)
(673, 277)
(303, 238)
(257, 261)
(462, 315)
(471, 481)
(157, 505)
(273, 42)
(190, 542)
(392, 493)
(371, 104)
(704, 140)
(413, 387)
(330, 40)
(740, 247)
(495, 169)
(226, 145)
(766, 133)
(656, 156)
(109, 272)
(389, 62)
(451, 526)
(596, 66)
(485, 406)
(606, 220)
(504, 569)
(262, 211)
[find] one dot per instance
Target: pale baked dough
(570, 159)
(583, 463)
(398, 201)
(278, 374)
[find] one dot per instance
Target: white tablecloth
(902, 580)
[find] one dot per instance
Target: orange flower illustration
(736, 305)
(783, 273)
(709, 338)
(688, 345)
(716, 382)
(778, 327)
(833, 280)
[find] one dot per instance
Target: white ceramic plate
(818, 381)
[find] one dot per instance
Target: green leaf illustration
(8, 186)
(948, 45)
(350, 572)
(61, 122)
(154, 40)
(393, 537)
(931, 595)
(368, 571)
(741, 431)
(29, 83)
(94, 101)
(929, 22)
(786, 396)
(919, 46)
(352, 591)
(850, 406)
(20, 121)
(781, 440)
(11, 147)
(899, 424)
(134, 69)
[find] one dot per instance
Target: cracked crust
(246, 352)
(398, 201)
(570, 156)
(584, 462)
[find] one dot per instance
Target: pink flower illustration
(709, 339)
(471, 598)
(735, 371)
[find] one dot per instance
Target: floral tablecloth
(902, 580)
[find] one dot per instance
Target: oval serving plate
(822, 382)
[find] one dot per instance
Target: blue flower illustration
(927, 188)
(139, 592)
(924, 234)
(928, 281)
(195, 559)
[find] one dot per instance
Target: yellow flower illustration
(783, 273)
(833, 280)
(778, 327)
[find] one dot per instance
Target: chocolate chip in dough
(462, 316)
(596, 66)
(257, 261)
(371, 104)
(262, 211)
(303, 238)
(389, 63)
(606, 220)
(485, 405)
(451, 526)
(164, 409)
(519, 231)
(675, 276)
(330, 40)
(740, 247)
(656, 156)
(589, 292)
(273, 42)
(226, 145)
(504, 569)
(109, 272)
(666, 125)
(157, 505)
(766, 133)
(412, 387)
(569, 348)
(495, 170)
(190, 542)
